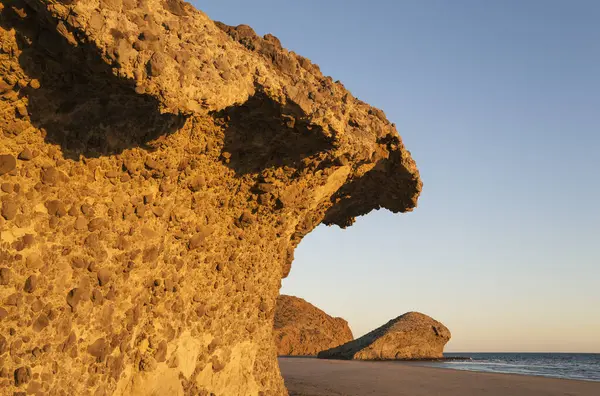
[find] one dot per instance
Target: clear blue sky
(499, 103)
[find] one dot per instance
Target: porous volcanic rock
(412, 336)
(301, 329)
(157, 171)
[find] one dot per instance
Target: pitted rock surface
(157, 171)
(412, 336)
(301, 329)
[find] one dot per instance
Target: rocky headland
(412, 336)
(157, 171)
(301, 329)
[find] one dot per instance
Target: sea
(577, 366)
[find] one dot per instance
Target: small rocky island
(412, 336)
(301, 329)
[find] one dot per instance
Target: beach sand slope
(317, 377)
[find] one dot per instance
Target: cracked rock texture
(412, 336)
(157, 171)
(301, 329)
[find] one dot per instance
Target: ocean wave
(565, 366)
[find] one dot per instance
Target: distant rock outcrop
(412, 336)
(302, 329)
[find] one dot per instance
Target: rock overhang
(192, 65)
(211, 148)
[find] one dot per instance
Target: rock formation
(157, 171)
(412, 336)
(301, 329)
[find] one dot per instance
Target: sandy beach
(316, 377)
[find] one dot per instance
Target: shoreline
(424, 360)
(321, 377)
(501, 373)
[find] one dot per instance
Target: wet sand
(317, 377)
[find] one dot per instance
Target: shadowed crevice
(388, 185)
(262, 134)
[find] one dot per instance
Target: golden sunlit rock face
(157, 171)
(301, 329)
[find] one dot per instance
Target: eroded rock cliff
(412, 336)
(301, 329)
(157, 171)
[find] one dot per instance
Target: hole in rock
(358, 273)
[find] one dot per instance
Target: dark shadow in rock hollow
(388, 185)
(81, 105)
(262, 134)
